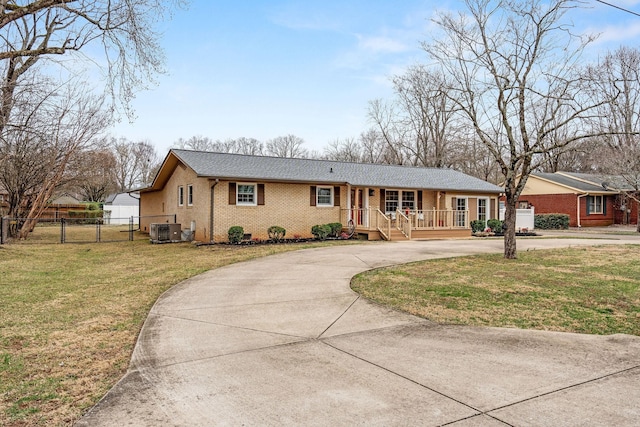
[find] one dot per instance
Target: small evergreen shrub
(495, 225)
(477, 226)
(276, 233)
(336, 228)
(554, 221)
(321, 232)
(236, 233)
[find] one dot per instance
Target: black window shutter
(232, 193)
(419, 200)
(260, 194)
(588, 200)
(312, 196)
(382, 196)
(336, 196)
(604, 205)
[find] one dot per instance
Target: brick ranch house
(590, 200)
(210, 192)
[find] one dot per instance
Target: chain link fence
(77, 230)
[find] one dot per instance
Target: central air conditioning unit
(163, 233)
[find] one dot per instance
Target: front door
(461, 212)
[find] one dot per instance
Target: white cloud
(381, 44)
(619, 34)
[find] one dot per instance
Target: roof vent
(331, 170)
(605, 185)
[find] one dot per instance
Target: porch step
(397, 235)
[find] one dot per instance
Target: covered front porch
(373, 224)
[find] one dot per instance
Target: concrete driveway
(283, 340)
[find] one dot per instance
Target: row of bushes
(541, 221)
(479, 226)
(276, 233)
(551, 221)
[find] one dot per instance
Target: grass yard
(70, 315)
(594, 290)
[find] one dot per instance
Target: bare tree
(136, 163)
(514, 70)
(48, 128)
(195, 143)
(617, 77)
(38, 30)
(384, 115)
(374, 148)
(286, 146)
(345, 150)
(92, 174)
(427, 115)
(249, 146)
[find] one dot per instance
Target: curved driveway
(282, 340)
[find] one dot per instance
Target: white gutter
(578, 207)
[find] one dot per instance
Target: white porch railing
(430, 219)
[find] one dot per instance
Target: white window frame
(486, 209)
(180, 195)
(592, 206)
(324, 187)
(398, 200)
(461, 220)
(254, 194)
(190, 195)
(413, 202)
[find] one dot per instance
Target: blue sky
(262, 69)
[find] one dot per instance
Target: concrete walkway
(283, 340)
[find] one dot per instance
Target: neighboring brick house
(590, 200)
(210, 192)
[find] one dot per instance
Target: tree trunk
(509, 227)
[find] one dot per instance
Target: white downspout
(578, 208)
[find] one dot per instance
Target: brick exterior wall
(566, 204)
(285, 205)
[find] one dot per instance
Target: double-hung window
(595, 205)
(408, 200)
(391, 199)
(246, 194)
(482, 210)
(324, 196)
(180, 195)
(189, 195)
(461, 212)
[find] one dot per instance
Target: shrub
(495, 225)
(320, 232)
(276, 233)
(336, 228)
(551, 221)
(236, 233)
(477, 226)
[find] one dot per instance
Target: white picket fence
(524, 218)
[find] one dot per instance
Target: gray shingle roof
(577, 181)
(611, 181)
(237, 166)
